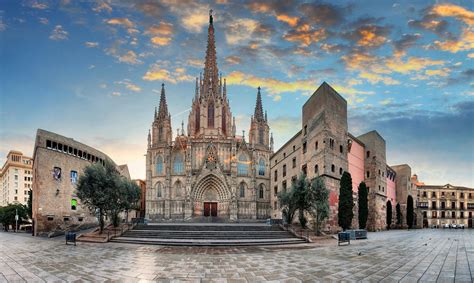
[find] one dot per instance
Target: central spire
(211, 72)
(163, 109)
(258, 115)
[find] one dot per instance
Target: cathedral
(208, 171)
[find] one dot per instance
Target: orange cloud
(451, 10)
(464, 42)
(291, 21)
(369, 37)
(161, 41)
(161, 29)
(121, 21)
(305, 35)
(130, 57)
(232, 60)
(411, 64)
(157, 73)
(374, 78)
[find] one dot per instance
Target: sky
(92, 70)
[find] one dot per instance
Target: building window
(284, 186)
(73, 204)
(433, 195)
(461, 205)
(177, 188)
(210, 115)
(340, 171)
(294, 148)
(242, 165)
(443, 205)
(433, 205)
(73, 177)
(261, 167)
(453, 205)
(284, 170)
(293, 180)
(461, 214)
(159, 192)
(316, 169)
(242, 189)
(159, 165)
(331, 143)
(261, 190)
(160, 133)
(443, 215)
(178, 164)
(50, 218)
(341, 149)
(48, 144)
(57, 173)
(305, 129)
(275, 176)
(368, 154)
(275, 190)
(379, 172)
(453, 214)
(368, 174)
(294, 162)
(316, 145)
(304, 168)
(304, 147)
(462, 195)
(333, 168)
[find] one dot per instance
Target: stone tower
(161, 127)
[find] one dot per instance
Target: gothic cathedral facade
(209, 171)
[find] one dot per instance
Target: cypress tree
(399, 214)
(389, 214)
(346, 202)
(363, 205)
(410, 212)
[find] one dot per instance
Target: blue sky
(92, 70)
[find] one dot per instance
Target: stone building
(142, 184)
(324, 147)
(58, 162)
(405, 188)
(446, 204)
(209, 170)
(15, 178)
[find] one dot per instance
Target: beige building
(16, 177)
(446, 204)
(210, 170)
(58, 163)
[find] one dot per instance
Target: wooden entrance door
(210, 209)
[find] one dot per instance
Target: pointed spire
(149, 138)
(233, 126)
(182, 128)
(211, 73)
(197, 90)
(163, 109)
(266, 117)
(271, 141)
(258, 115)
(155, 113)
(220, 84)
(224, 91)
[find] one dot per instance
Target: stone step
(209, 242)
(260, 227)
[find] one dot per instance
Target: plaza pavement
(406, 256)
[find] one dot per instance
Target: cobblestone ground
(406, 256)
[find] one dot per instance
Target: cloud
(102, 6)
(121, 22)
(116, 93)
(240, 30)
(323, 14)
(158, 72)
(367, 34)
(130, 57)
(291, 21)
(305, 35)
(39, 6)
(451, 10)
(150, 8)
(3, 26)
(193, 16)
(91, 44)
(464, 42)
(194, 62)
(162, 29)
(232, 60)
(123, 56)
(374, 78)
(129, 85)
(58, 33)
(44, 21)
(160, 41)
(405, 42)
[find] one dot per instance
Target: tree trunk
(101, 221)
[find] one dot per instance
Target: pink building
(355, 158)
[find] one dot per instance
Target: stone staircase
(208, 234)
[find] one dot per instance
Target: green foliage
(303, 198)
(288, 203)
(103, 189)
(363, 205)
(7, 215)
(320, 206)
(346, 202)
(389, 214)
(399, 214)
(410, 212)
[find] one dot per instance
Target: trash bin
(71, 237)
(344, 237)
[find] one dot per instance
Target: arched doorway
(211, 197)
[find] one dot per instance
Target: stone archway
(211, 190)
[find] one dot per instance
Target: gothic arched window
(261, 190)
(178, 166)
(159, 190)
(261, 167)
(242, 189)
(160, 133)
(177, 188)
(210, 115)
(260, 136)
(242, 165)
(159, 165)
